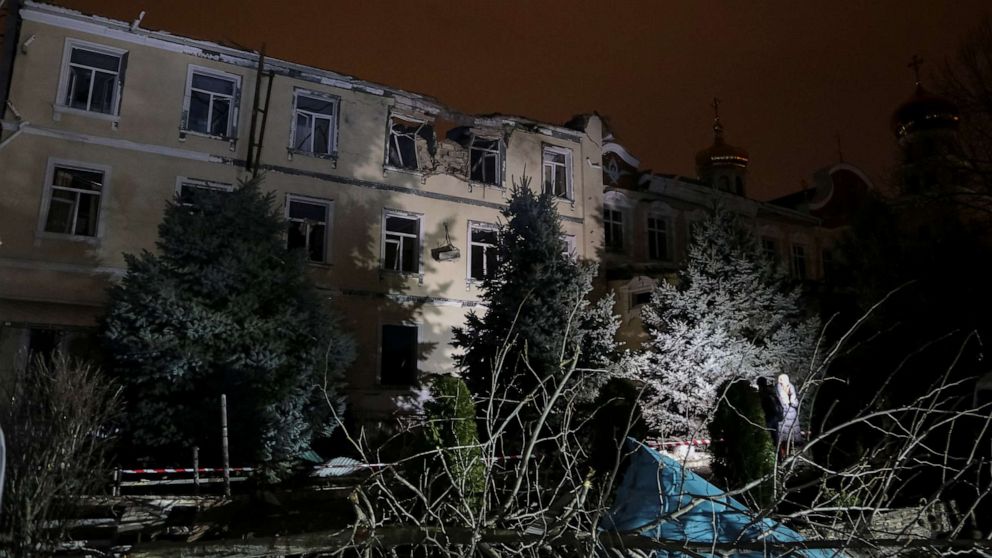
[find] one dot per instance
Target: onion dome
(924, 111)
(721, 154)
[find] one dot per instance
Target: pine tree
(224, 308)
(537, 301)
(730, 315)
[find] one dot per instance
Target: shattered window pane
(482, 251)
(211, 99)
(403, 143)
(484, 161)
(74, 203)
(557, 171)
(401, 250)
(314, 127)
(308, 228)
(93, 81)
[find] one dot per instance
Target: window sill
(386, 169)
(58, 110)
(45, 235)
(321, 265)
(396, 273)
(473, 184)
(332, 157)
(183, 132)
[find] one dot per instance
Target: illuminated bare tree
(539, 497)
(56, 419)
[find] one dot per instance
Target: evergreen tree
(538, 302)
(730, 315)
(746, 451)
(224, 308)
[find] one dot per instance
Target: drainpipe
(8, 50)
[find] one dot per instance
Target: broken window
(658, 238)
(613, 227)
(482, 250)
(403, 151)
(398, 365)
(558, 171)
(93, 78)
(314, 123)
(401, 242)
(799, 261)
(210, 102)
(191, 192)
(570, 249)
(485, 165)
(308, 227)
(74, 201)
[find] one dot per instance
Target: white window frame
(556, 150)
(200, 183)
(481, 225)
(571, 248)
(328, 225)
(332, 139)
(62, 91)
(46, 200)
(419, 237)
(390, 135)
(669, 235)
(232, 116)
(498, 152)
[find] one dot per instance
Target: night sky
(792, 75)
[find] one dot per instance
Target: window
(190, 190)
(570, 249)
(658, 238)
(481, 250)
(769, 247)
(401, 242)
(827, 257)
(74, 196)
(402, 152)
(309, 226)
(314, 123)
(799, 261)
(558, 171)
(92, 78)
(639, 298)
(485, 165)
(613, 226)
(399, 355)
(211, 102)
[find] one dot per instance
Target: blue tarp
(655, 486)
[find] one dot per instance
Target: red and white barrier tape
(675, 443)
(184, 470)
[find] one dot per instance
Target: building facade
(648, 220)
(392, 195)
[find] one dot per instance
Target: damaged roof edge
(59, 16)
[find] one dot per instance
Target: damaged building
(393, 196)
